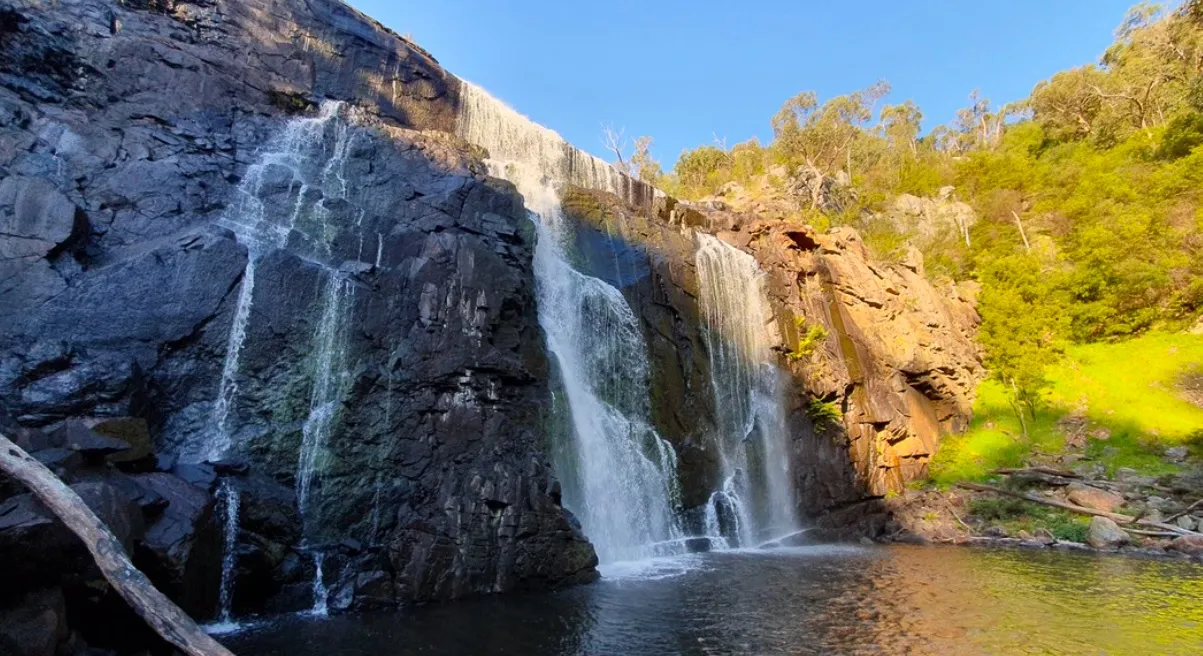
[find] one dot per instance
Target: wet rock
(119, 512)
(63, 462)
(228, 467)
(37, 549)
(1106, 534)
(201, 476)
(374, 590)
(1093, 497)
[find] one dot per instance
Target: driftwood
(1151, 534)
(1184, 512)
(1062, 473)
(153, 606)
(1082, 510)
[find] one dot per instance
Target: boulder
(131, 430)
(37, 550)
(1177, 453)
(1092, 497)
(1188, 544)
(181, 551)
(77, 435)
(1106, 534)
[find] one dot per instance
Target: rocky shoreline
(1077, 509)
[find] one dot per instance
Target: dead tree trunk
(1026, 244)
(151, 605)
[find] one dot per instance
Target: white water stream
(619, 476)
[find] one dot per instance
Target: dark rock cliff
(145, 160)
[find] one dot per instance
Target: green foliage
(701, 168)
(809, 339)
(1017, 515)
(1021, 315)
(1089, 204)
(824, 414)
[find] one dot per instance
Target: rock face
(296, 199)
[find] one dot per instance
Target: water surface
(820, 600)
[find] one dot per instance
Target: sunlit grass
(1132, 384)
(1126, 392)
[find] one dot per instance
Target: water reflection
(918, 600)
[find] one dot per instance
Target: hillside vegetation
(1085, 227)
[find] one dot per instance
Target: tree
(1022, 320)
(901, 124)
(1068, 106)
(643, 165)
(615, 141)
(820, 138)
(696, 167)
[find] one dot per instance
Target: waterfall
(321, 594)
(511, 137)
(230, 500)
(619, 476)
(329, 373)
(752, 439)
(291, 152)
(283, 201)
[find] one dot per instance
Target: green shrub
(809, 340)
(824, 414)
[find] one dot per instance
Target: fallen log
(1063, 473)
(1184, 512)
(151, 605)
(1150, 534)
(1082, 510)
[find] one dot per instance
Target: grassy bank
(1120, 404)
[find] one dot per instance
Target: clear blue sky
(683, 71)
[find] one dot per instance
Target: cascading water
(229, 497)
(297, 165)
(329, 373)
(753, 441)
(619, 476)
